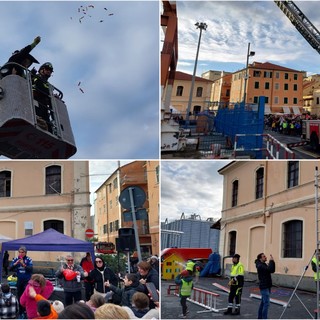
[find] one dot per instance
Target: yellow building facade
(269, 206)
(181, 92)
(38, 195)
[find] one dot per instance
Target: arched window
(57, 225)
(235, 187)
(5, 184)
(259, 183)
(292, 239)
(179, 91)
(199, 91)
(196, 109)
(53, 180)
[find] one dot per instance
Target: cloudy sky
(191, 187)
(116, 59)
(232, 24)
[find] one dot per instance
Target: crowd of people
(91, 290)
(285, 124)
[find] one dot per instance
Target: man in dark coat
(23, 58)
(41, 93)
(265, 282)
(71, 275)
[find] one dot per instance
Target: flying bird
(110, 14)
(79, 83)
(81, 90)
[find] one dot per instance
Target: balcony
(133, 179)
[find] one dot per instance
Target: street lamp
(249, 54)
(201, 26)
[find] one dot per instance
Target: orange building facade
(109, 215)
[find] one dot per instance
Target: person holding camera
(23, 267)
(265, 282)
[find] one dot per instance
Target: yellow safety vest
(186, 288)
(237, 270)
(316, 277)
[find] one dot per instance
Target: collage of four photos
(159, 160)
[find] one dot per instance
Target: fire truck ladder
(301, 22)
(317, 252)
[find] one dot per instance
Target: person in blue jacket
(185, 282)
(23, 267)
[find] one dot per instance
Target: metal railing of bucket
(271, 147)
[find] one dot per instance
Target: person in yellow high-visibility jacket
(314, 263)
(236, 284)
(185, 282)
(191, 267)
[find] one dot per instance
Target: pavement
(301, 302)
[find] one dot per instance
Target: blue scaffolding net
(243, 119)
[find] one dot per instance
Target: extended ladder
(301, 22)
(317, 252)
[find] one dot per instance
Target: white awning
(286, 110)
(173, 109)
(296, 110)
(267, 109)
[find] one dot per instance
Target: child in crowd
(41, 286)
(9, 305)
(140, 304)
(58, 306)
(45, 310)
(131, 285)
(185, 281)
(96, 300)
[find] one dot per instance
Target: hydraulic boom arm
(301, 22)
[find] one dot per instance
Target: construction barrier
(271, 147)
(203, 298)
(241, 119)
(276, 301)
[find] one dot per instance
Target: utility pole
(249, 54)
(201, 26)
